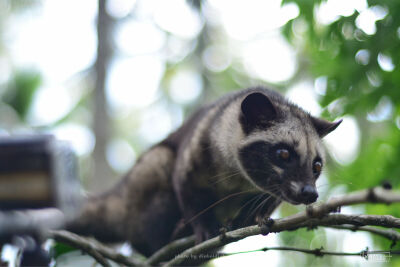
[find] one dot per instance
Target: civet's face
(282, 153)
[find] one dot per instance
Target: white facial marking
(277, 169)
(295, 186)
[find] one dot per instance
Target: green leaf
(61, 248)
(21, 91)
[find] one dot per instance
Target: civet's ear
(258, 109)
(324, 127)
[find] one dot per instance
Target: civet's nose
(308, 194)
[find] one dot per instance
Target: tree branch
(372, 195)
(282, 225)
(102, 124)
(94, 248)
(170, 250)
(315, 215)
(176, 247)
(182, 251)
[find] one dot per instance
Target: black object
(32, 252)
(36, 172)
(39, 190)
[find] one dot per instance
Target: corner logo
(376, 256)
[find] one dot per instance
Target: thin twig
(318, 252)
(387, 233)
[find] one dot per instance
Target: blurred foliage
(331, 52)
(59, 249)
(21, 90)
(357, 84)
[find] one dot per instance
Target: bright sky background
(59, 45)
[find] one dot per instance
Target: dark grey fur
(219, 169)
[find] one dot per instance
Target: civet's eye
(317, 167)
(283, 154)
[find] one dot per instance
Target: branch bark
(182, 251)
(283, 225)
(169, 251)
(315, 215)
(178, 246)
